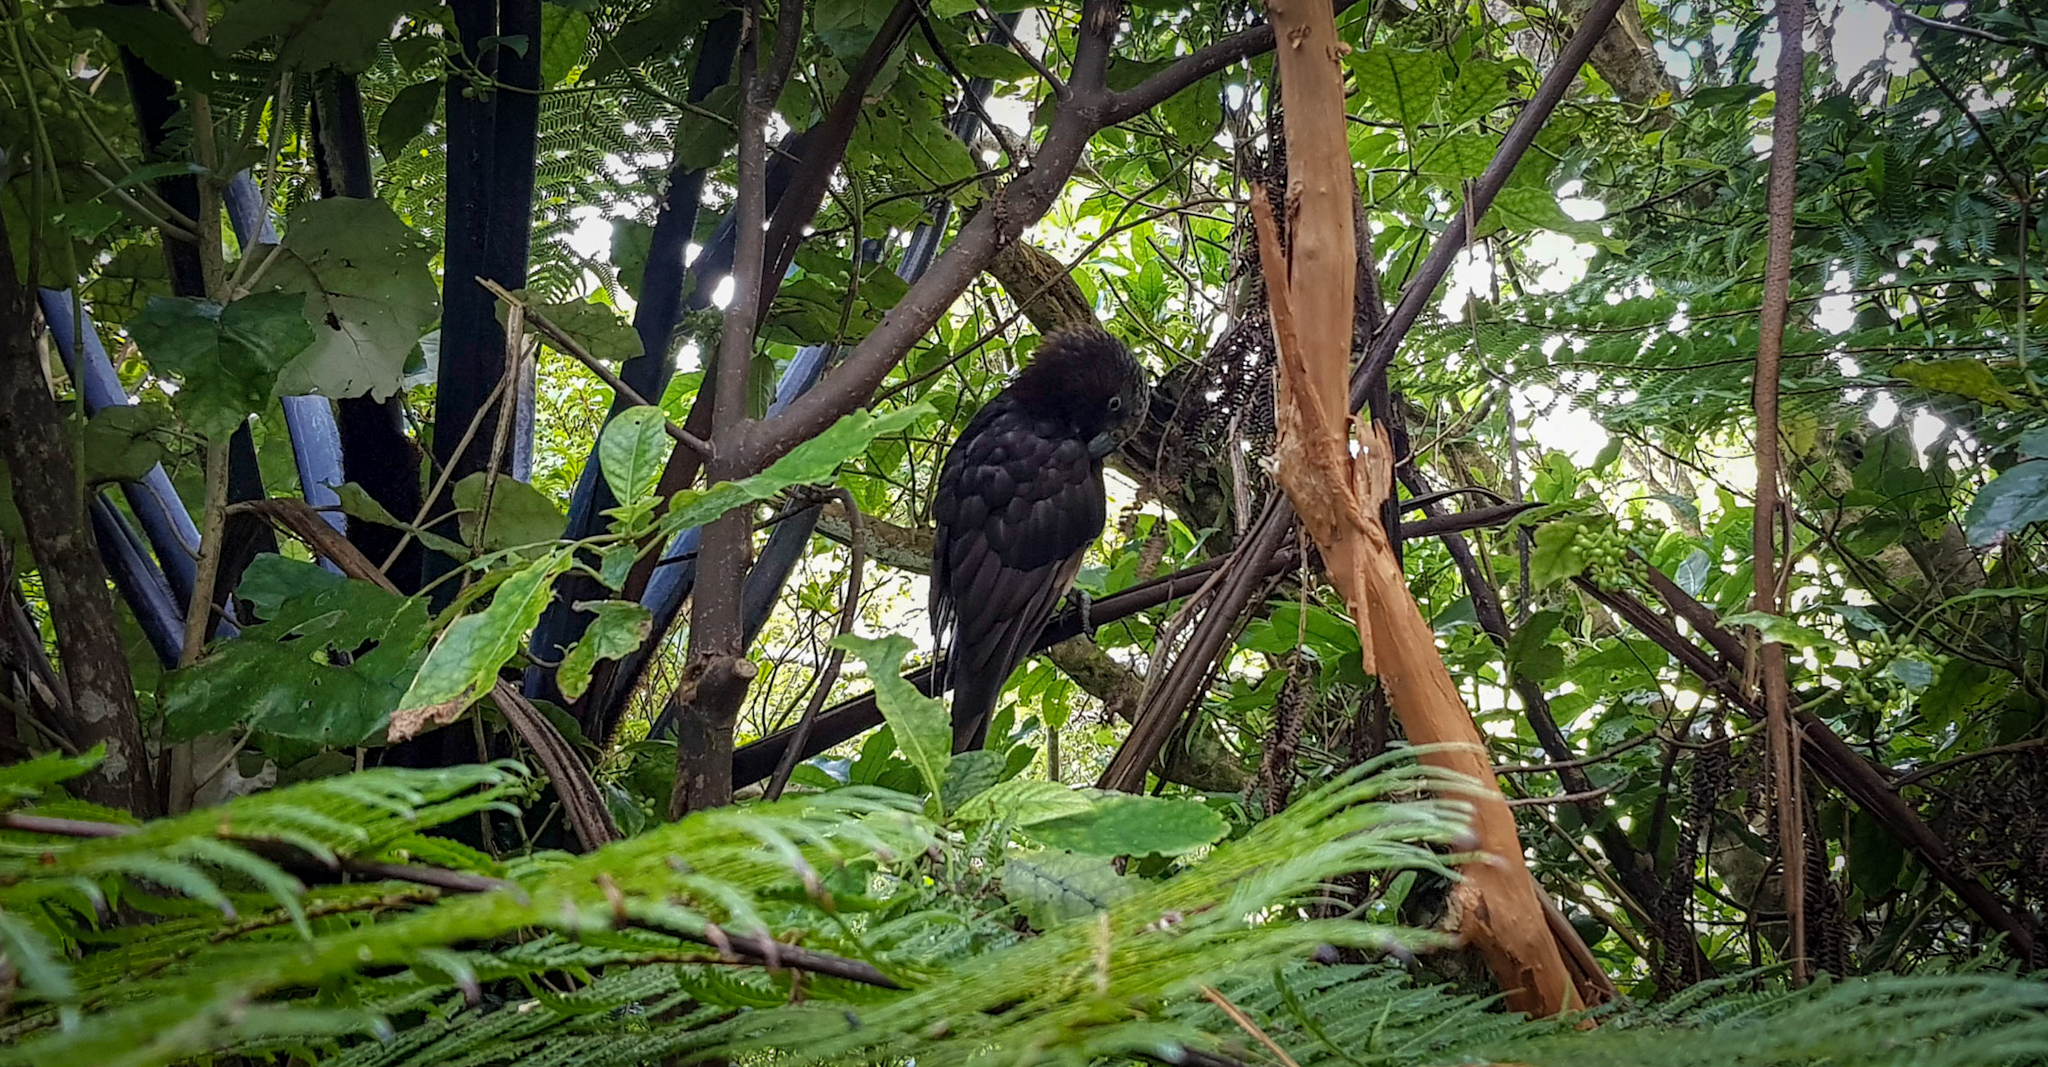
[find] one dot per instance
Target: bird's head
(1090, 378)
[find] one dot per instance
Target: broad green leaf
(923, 728)
(632, 451)
(1963, 377)
(2034, 443)
(969, 775)
(631, 241)
(618, 630)
(1692, 574)
(1405, 83)
(366, 287)
(1482, 85)
(2012, 501)
(1876, 858)
(226, 359)
(703, 135)
(992, 61)
(121, 443)
(311, 34)
(1134, 826)
(1554, 558)
(1026, 801)
(597, 327)
(406, 115)
(326, 666)
(813, 461)
(519, 514)
(1780, 629)
(154, 36)
(1525, 651)
(1459, 156)
(466, 660)
(1050, 888)
(564, 35)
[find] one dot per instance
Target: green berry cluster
(1605, 552)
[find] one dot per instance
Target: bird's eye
(1116, 403)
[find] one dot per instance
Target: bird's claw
(1084, 605)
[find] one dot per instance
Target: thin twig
(199, 610)
(476, 420)
(849, 613)
(1948, 765)
(1566, 798)
(568, 345)
(1245, 1023)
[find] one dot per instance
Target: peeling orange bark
(1335, 488)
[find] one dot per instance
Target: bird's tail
(974, 703)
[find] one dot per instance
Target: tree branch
(1017, 205)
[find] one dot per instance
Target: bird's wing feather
(1019, 504)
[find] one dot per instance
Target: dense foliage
(438, 769)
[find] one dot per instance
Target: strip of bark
(1310, 288)
(1782, 192)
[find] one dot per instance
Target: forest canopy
(470, 476)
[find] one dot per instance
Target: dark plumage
(1020, 499)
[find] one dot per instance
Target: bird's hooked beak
(1102, 444)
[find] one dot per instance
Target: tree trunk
(48, 492)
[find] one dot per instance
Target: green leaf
(1403, 82)
(632, 451)
(226, 359)
(367, 288)
(992, 61)
(1525, 651)
(464, 663)
(2012, 501)
(1050, 888)
(597, 327)
(1962, 377)
(703, 135)
(969, 775)
(631, 241)
(519, 514)
(326, 666)
(311, 34)
(406, 115)
(564, 36)
(1134, 826)
(1875, 857)
(35, 960)
(1781, 629)
(1025, 801)
(357, 503)
(1482, 85)
(1459, 156)
(1554, 558)
(121, 443)
(618, 630)
(813, 461)
(154, 36)
(923, 728)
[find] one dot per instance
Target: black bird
(1020, 499)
